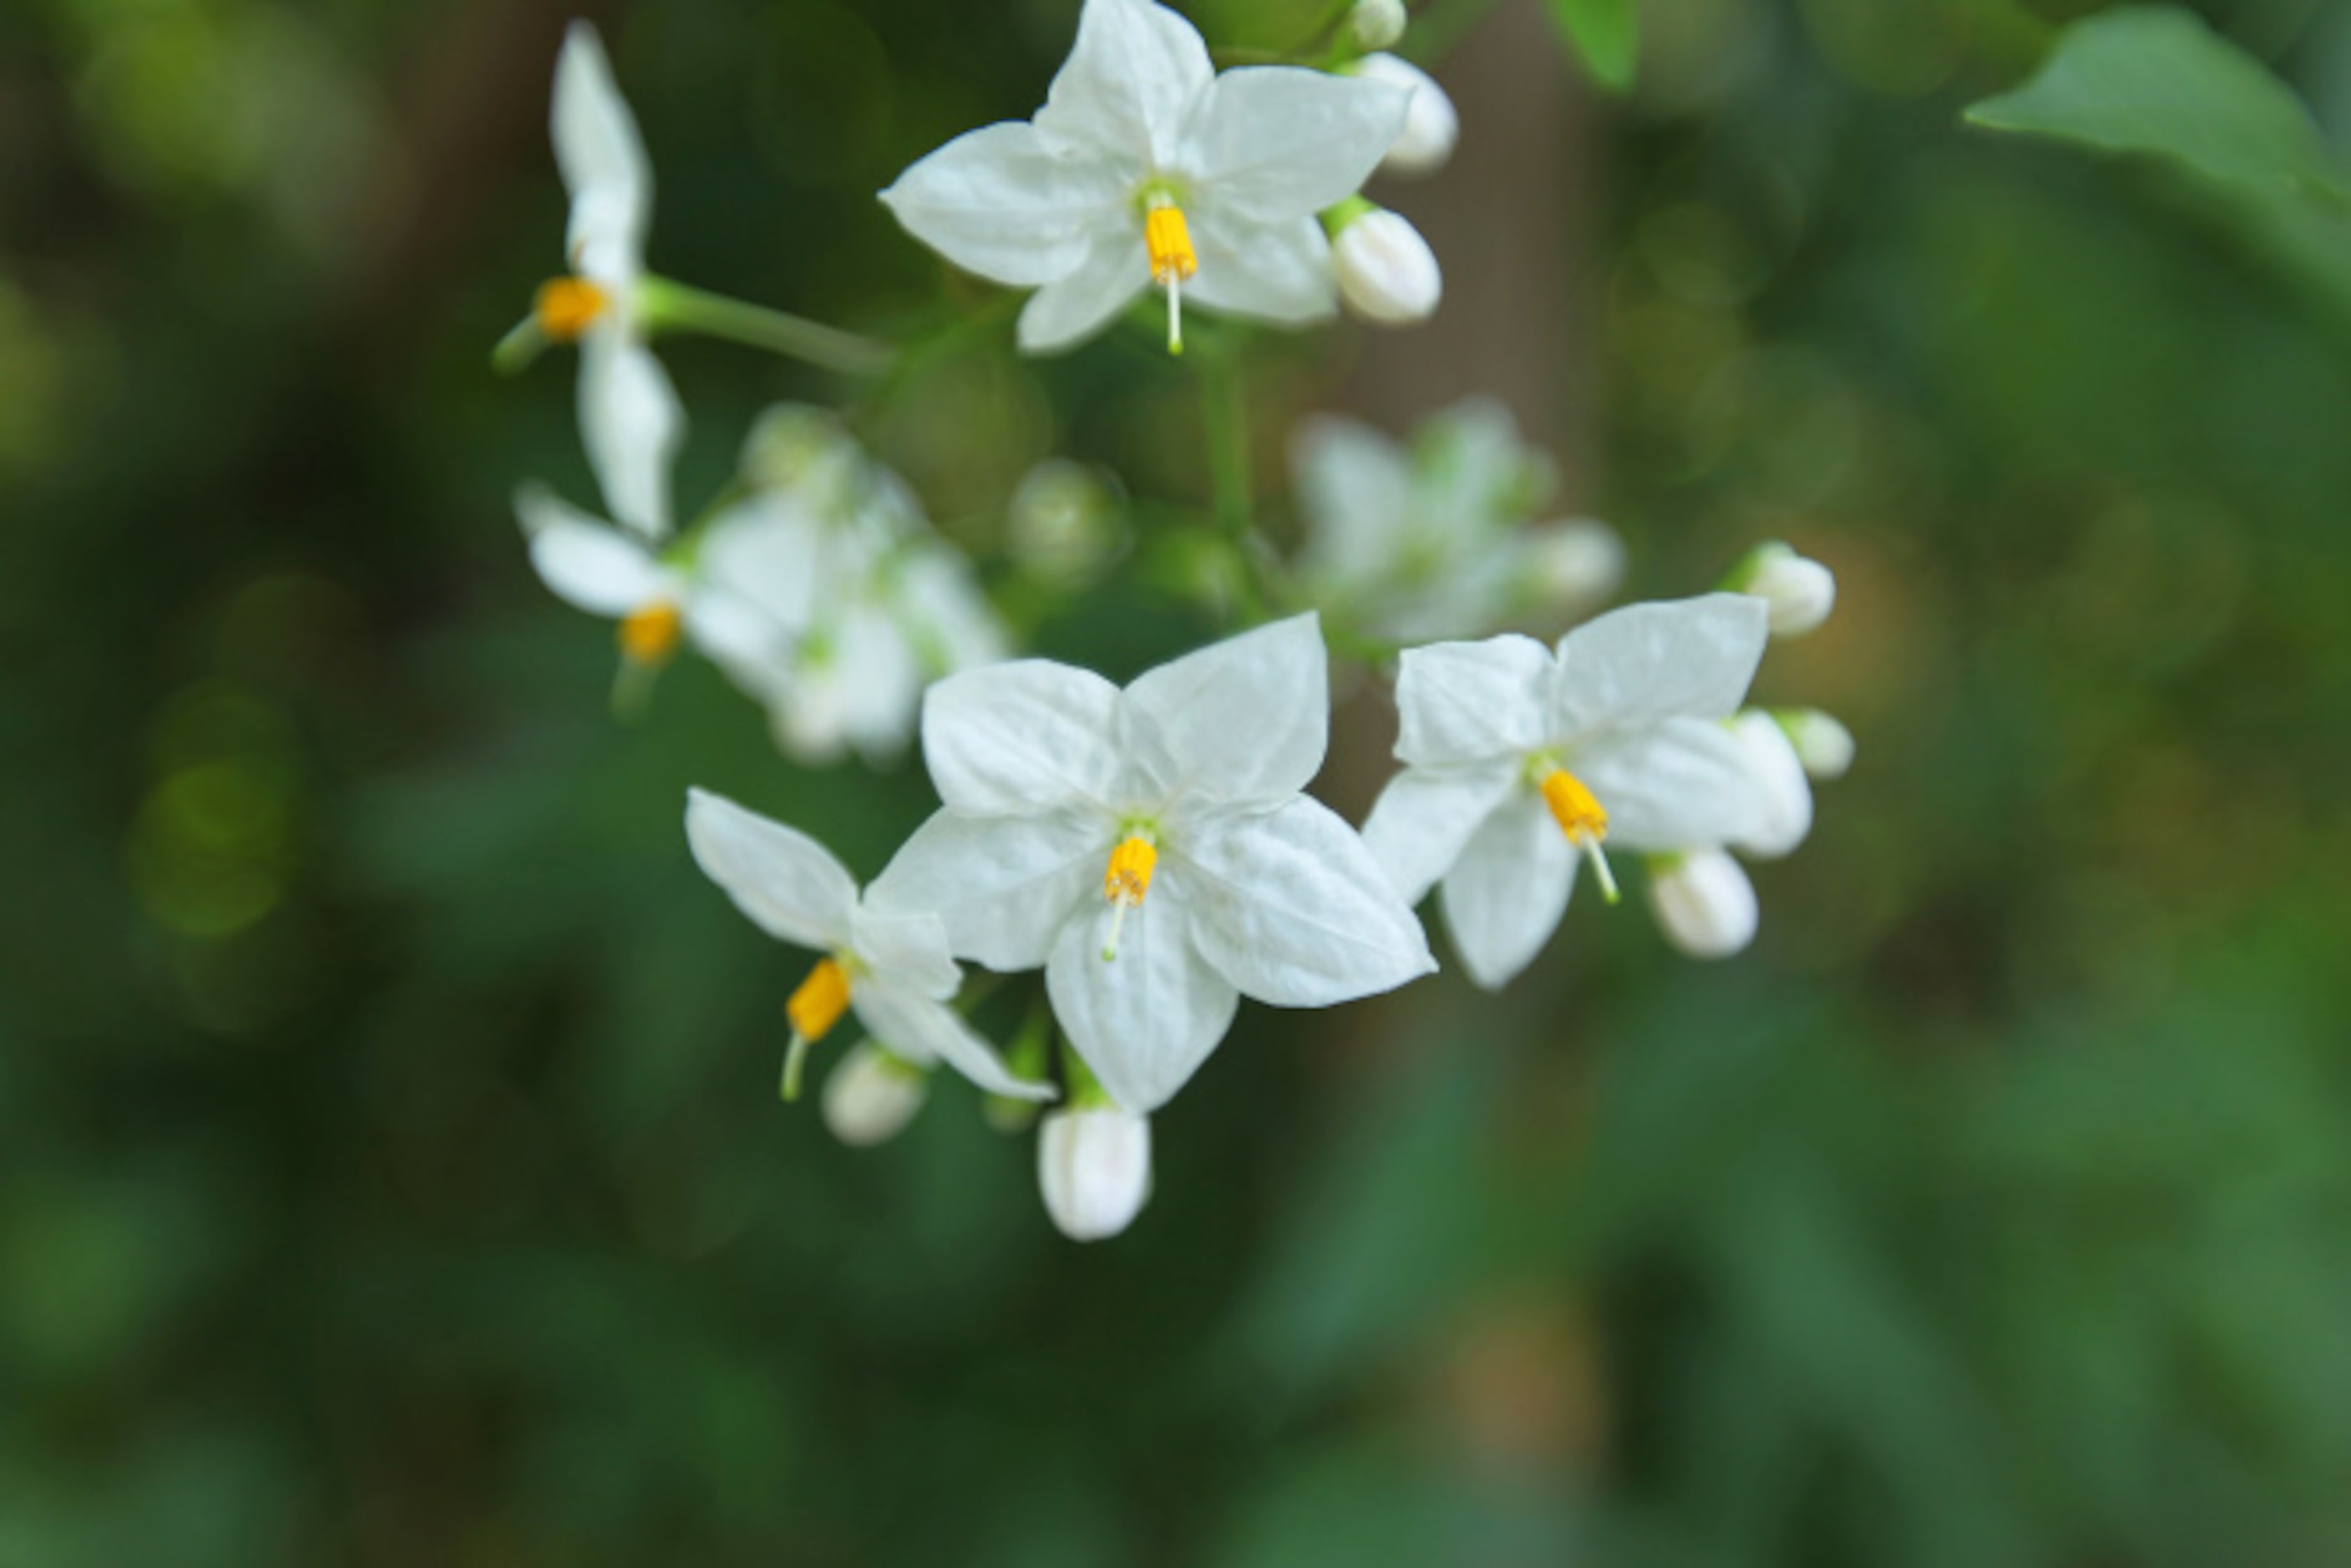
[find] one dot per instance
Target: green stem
(678, 307)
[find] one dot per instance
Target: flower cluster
(1150, 850)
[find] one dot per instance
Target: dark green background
(390, 1166)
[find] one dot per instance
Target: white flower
(891, 968)
(1823, 744)
(1431, 125)
(1782, 792)
(1151, 849)
(1574, 564)
(872, 1096)
(1704, 902)
(1093, 1164)
(1376, 24)
(1800, 590)
(1521, 763)
(1146, 168)
(629, 413)
(1387, 272)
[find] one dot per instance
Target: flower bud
(1704, 902)
(1376, 24)
(1093, 1164)
(1778, 777)
(1574, 564)
(1061, 525)
(1823, 745)
(1799, 590)
(1387, 272)
(872, 1095)
(1430, 125)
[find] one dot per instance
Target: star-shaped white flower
(1521, 763)
(1147, 168)
(1151, 849)
(893, 970)
(629, 416)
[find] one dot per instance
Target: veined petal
(1244, 719)
(1278, 272)
(587, 564)
(1274, 143)
(787, 883)
(1683, 658)
(602, 159)
(632, 422)
(1027, 736)
(1145, 1020)
(1355, 488)
(923, 1029)
(1003, 886)
(1292, 909)
(1684, 783)
(1425, 818)
(1003, 202)
(1471, 701)
(909, 950)
(1079, 304)
(1505, 895)
(1130, 84)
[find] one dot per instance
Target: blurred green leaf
(1605, 34)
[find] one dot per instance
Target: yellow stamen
(815, 1007)
(650, 633)
(1125, 882)
(1169, 239)
(1584, 820)
(567, 306)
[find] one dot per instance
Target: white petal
(1355, 488)
(1094, 1169)
(1684, 783)
(1704, 903)
(921, 1029)
(787, 883)
(1471, 701)
(632, 422)
(952, 624)
(1244, 719)
(905, 948)
(1129, 85)
(1274, 143)
(1145, 1020)
(881, 682)
(1423, 818)
(1687, 658)
(736, 635)
(1783, 792)
(1079, 303)
(1505, 897)
(1003, 886)
(1027, 736)
(597, 568)
(1280, 271)
(1294, 910)
(1431, 125)
(603, 162)
(770, 554)
(1002, 202)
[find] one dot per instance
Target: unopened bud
(1062, 524)
(1574, 564)
(1430, 125)
(872, 1095)
(1823, 744)
(1777, 775)
(806, 452)
(1387, 272)
(1799, 590)
(1704, 902)
(1093, 1164)
(1376, 24)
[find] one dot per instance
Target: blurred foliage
(390, 1170)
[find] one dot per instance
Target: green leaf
(1606, 34)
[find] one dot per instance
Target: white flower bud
(1430, 125)
(1093, 1164)
(1704, 903)
(1387, 272)
(1061, 523)
(1823, 745)
(1800, 591)
(1778, 775)
(1574, 564)
(1377, 24)
(872, 1095)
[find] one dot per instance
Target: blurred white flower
(1093, 1165)
(891, 968)
(1521, 763)
(1799, 589)
(1387, 272)
(1146, 169)
(1574, 564)
(1150, 848)
(1376, 24)
(872, 1096)
(1823, 745)
(1061, 525)
(1431, 125)
(1703, 902)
